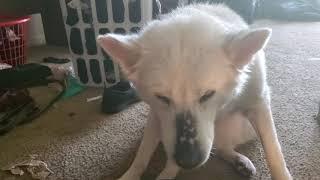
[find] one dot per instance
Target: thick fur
(202, 71)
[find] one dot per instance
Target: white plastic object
(92, 64)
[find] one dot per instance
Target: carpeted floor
(92, 146)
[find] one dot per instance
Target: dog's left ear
(123, 49)
(242, 46)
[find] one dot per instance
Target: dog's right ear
(123, 49)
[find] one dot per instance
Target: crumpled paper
(36, 168)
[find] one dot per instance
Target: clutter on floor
(32, 166)
(17, 106)
(18, 109)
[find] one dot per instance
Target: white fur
(196, 49)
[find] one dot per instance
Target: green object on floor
(73, 87)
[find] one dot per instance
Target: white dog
(202, 71)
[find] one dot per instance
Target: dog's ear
(123, 50)
(242, 46)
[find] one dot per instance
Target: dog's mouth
(189, 156)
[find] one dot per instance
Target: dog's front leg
(170, 171)
(262, 121)
(148, 144)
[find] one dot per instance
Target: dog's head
(186, 70)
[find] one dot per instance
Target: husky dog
(202, 71)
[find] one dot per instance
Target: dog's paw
(285, 175)
(244, 166)
(129, 178)
(164, 176)
(133, 178)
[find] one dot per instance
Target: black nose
(188, 154)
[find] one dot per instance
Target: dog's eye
(164, 99)
(207, 96)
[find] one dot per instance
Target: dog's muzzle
(187, 150)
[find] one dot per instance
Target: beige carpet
(93, 146)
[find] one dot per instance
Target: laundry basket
(85, 19)
(13, 37)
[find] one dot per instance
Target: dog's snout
(188, 154)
